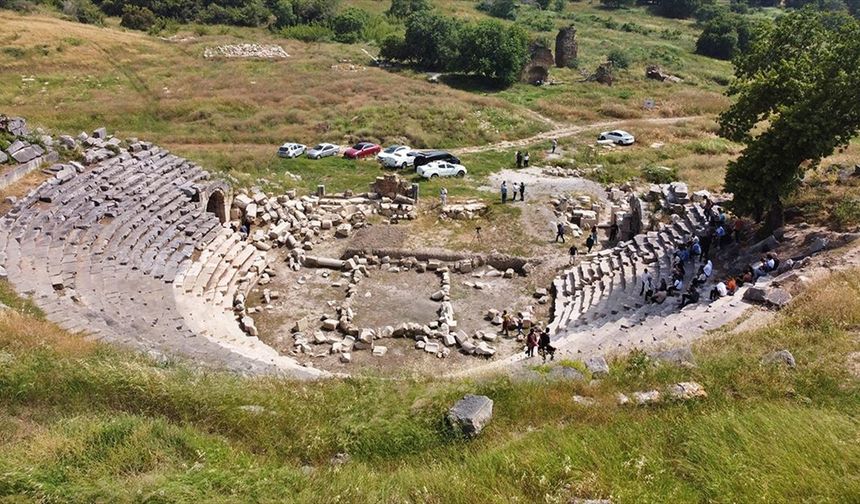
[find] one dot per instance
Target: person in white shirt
(719, 291)
(647, 284)
(443, 196)
(708, 269)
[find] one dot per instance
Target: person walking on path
(504, 192)
(592, 239)
(613, 232)
(526, 159)
(522, 191)
(519, 159)
(559, 232)
(554, 145)
(531, 343)
(545, 346)
(573, 253)
(443, 196)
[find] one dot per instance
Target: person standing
(554, 145)
(531, 343)
(647, 284)
(526, 159)
(504, 192)
(519, 159)
(559, 231)
(443, 196)
(592, 239)
(573, 253)
(613, 232)
(545, 346)
(522, 191)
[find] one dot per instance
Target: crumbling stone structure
(565, 47)
(536, 70)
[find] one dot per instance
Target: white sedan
(322, 150)
(291, 150)
(396, 156)
(617, 137)
(435, 169)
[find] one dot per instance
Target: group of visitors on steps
(537, 337)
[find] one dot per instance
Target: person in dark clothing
(690, 297)
(522, 191)
(519, 159)
(705, 242)
(613, 232)
(531, 343)
(573, 253)
(559, 232)
(589, 243)
(545, 347)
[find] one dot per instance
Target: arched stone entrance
(217, 204)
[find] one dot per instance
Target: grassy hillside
(83, 422)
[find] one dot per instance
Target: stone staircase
(123, 251)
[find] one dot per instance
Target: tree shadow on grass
(473, 83)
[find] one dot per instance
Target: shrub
(618, 58)
(393, 47)
(137, 18)
(543, 4)
(537, 20)
(308, 33)
(617, 4)
(504, 9)
(678, 9)
(739, 7)
(559, 5)
(349, 24)
(404, 8)
(84, 11)
(659, 174)
(283, 12)
(249, 13)
(847, 212)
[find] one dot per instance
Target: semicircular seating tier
(598, 304)
(126, 251)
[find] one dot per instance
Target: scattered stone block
(685, 391)
(471, 414)
(597, 366)
(645, 398)
(783, 357)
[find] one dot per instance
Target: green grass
(83, 422)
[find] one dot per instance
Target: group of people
(521, 188)
(536, 338)
(590, 241)
(522, 159)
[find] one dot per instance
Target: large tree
(798, 99)
(493, 49)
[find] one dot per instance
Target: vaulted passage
(216, 205)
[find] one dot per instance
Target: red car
(361, 150)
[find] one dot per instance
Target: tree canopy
(798, 99)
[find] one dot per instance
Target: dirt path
(561, 131)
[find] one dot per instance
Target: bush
(537, 20)
(617, 4)
(739, 7)
(393, 47)
(543, 4)
(659, 174)
(503, 9)
(678, 9)
(404, 8)
(137, 18)
(83, 11)
(349, 24)
(618, 58)
(708, 12)
(283, 12)
(308, 33)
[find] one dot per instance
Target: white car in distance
(396, 156)
(322, 150)
(291, 150)
(435, 169)
(617, 137)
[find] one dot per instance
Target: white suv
(435, 169)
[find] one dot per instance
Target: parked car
(435, 169)
(322, 150)
(423, 158)
(396, 156)
(362, 150)
(618, 137)
(291, 150)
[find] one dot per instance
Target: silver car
(322, 150)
